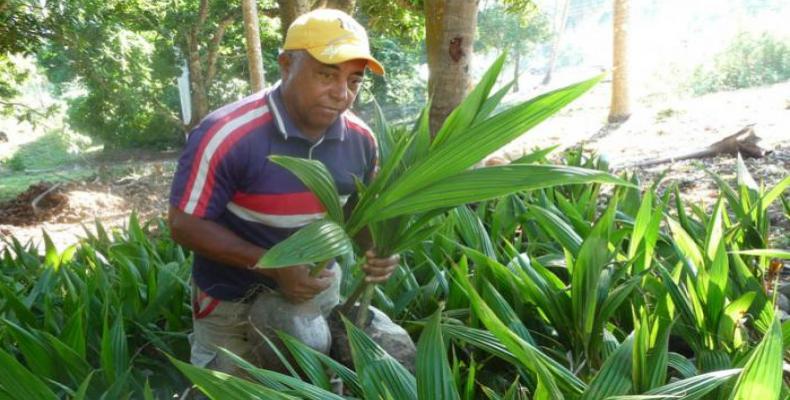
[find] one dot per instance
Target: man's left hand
(379, 269)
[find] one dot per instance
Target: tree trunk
(289, 10)
(200, 77)
(253, 38)
(516, 69)
(620, 108)
(450, 32)
(559, 28)
(346, 6)
(196, 82)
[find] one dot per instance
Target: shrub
(750, 60)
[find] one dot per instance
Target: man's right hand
(297, 286)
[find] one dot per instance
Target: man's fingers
(373, 259)
(377, 275)
(377, 279)
(326, 273)
(378, 271)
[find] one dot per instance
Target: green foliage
(515, 28)
(495, 310)
(126, 57)
(21, 28)
(52, 150)
(11, 78)
(106, 303)
(548, 287)
(401, 92)
(750, 60)
(402, 20)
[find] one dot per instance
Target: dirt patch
(40, 202)
(106, 197)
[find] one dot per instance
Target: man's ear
(286, 62)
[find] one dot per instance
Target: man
(229, 203)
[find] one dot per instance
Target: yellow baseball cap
(331, 37)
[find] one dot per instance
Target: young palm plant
(421, 178)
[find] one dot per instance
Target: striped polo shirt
(224, 175)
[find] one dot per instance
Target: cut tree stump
(744, 142)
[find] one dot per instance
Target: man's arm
(220, 244)
(214, 241)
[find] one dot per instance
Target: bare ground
(660, 126)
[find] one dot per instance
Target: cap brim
(340, 54)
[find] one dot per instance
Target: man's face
(315, 93)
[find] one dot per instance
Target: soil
(74, 206)
(40, 202)
(660, 126)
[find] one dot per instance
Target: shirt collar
(287, 127)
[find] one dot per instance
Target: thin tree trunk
(289, 10)
(346, 6)
(214, 45)
(516, 69)
(620, 108)
(253, 38)
(450, 31)
(200, 78)
(196, 82)
(559, 29)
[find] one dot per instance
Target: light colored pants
(218, 323)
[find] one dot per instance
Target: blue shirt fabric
(224, 175)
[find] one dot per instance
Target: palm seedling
(421, 178)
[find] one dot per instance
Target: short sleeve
(204, 182)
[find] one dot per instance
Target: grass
(16, 183)
(51, 150)
(53, 156)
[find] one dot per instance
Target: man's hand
(379, 269)
(297, 286)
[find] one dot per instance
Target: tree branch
(408, 5)
(162, 110)
(14, 104)
(213, 47)
(202, 14)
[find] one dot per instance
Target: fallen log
(744, 142)
(34, 203)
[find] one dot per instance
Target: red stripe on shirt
(280, 204)
(205, 141)
(361, 129)
(219, 154)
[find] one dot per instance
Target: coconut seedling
(421, 178)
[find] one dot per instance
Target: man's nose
(339, 90)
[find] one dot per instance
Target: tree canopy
(116, 62)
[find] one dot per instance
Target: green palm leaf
(593, 257)
(687, 389)
(221, 386)
(557, 228)
(17, 382)
(483, 184)
(318, 241)
(681, 364)
(434, 378)
(487, 136)
(381, 376)
(523, 351)
(762, 376)
(614, 378)
(466, 112)
(280, 381)
(774, 253)
(317, 178)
